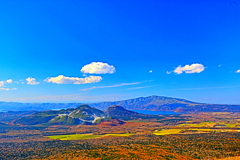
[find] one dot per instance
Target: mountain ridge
(153, 103)
(146, 105)
(162, 103)
(83, 114)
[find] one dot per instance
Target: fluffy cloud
(193, 68)
(238, 71)
(73, 80)
(2, 83)
(98, 68)
(9, 81)
(32, 81)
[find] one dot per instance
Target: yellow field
(84, 136)
(189, 131)
(210, 124)
(167, 131)
(202, 124)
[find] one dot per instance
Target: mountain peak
(116, 107)
(153, 102)
(84, 106)
(119, 112)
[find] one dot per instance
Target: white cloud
(98, 68)
(139, 87)
(73, 80)
(238, 71)
(21, 82)
(150, 71)
(116, 85)
(9, 81)
(2, 83)
(32, 81)
(7, 89)
(193, 68)
(168, 72)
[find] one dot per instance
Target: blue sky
(82, 51)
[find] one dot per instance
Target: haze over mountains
(16, 106)
(154, 103)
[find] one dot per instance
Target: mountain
(118, 112)
(158, 103)
(16, 106)
(161, 103)
(83, 114)
(9, 116)
(154, 103)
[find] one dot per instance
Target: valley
(86, 132)
(172, 137)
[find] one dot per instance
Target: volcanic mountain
(118, 112)
(83, 114)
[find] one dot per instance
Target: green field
(85, 136)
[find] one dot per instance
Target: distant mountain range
(154, 103)
(161, 103)
(16, 106)
(13, 115)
